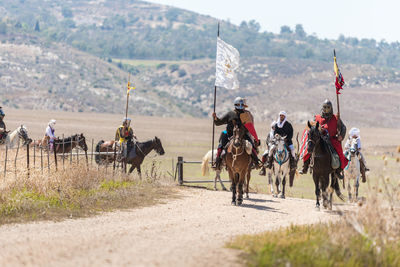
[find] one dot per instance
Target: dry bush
(398, 149)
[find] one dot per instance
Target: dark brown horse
(322, 170)
(64, 145)
(67, 144)
(136, 152)
(238, 163)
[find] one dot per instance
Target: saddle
(335, 160)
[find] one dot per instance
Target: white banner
(227, 63)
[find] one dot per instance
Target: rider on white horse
(354, 133)
(284, 129)
(2, 125)
(49, 136)
(269, 142)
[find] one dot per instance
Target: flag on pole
(227, 63)
(130, 88)
(339, 81)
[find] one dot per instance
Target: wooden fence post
(115, 155)
(48, 157)
(5, 163)
(55, 155)
(91, 155)
(70, 159)
(41, 158)
(15, 160)
(63, 151)
(27, 158)
(180, 170)
(34, 154)
(107, 160)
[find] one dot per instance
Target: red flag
(339, 82)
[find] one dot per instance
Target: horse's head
(354, 146)
(81, 141)
(238, 134)
(314, 135)
(23, 134)
(158, 146)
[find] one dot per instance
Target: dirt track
(188, 231)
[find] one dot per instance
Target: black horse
(322, 170)
(137, 153)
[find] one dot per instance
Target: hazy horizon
(357, 18)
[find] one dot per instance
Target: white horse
(205, 169)
(352, 170)
(18, 135)
(280, 166)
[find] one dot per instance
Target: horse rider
(123, 134)
(332, 127)
(284, 129)
(242, 117)
(3, 130)
(269, 142)
(354, 133)
(49, 136)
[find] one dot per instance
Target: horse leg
(317, 190)
(349, 189)
(283, 186)
(270, 182)
(240, 189)
(247, 184)
(130, 169)
(277, 185)
(233, 186)
(219, 178)
(139, 172)
(324, 189)
(356, 185)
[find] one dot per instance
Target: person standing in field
(49, 136)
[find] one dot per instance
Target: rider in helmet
(354, 133)
(283, 128)
(243, 117)
(49, 136)
(334, 128)
(123, 134)
(2, 125)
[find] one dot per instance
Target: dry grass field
(191, 138)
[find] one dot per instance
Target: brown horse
(238, 162)
(105, 146)
(63, 145)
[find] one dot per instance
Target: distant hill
(74, 56)
(140, 30)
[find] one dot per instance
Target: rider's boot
(339, 173)
(256, 160)
(305, 166)
(263, 171)
(292, 162)
(270, 159)
(218, 159)
(363, 169)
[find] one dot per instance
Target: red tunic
(331, 126)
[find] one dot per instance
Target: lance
(213, 128)
(129, 88)
(337, 95)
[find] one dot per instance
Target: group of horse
(239, 165)
(135, 155)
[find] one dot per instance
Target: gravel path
(188, 231)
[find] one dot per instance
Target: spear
(213, 129)
(129, 87)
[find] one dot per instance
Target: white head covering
(278, 122)
(52, 123)
(354, 132)
(273, 124)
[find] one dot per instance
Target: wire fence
(24, 159)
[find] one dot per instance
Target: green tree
(286, 30)
(66, 12)
(299, 30)
(37, 27)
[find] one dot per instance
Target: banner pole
(127, 97)
(213, 128)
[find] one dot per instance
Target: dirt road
(188, 231)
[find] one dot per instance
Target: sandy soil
(188, 231)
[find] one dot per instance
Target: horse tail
(204, 164)
(97, 156)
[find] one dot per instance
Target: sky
(378, 19)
